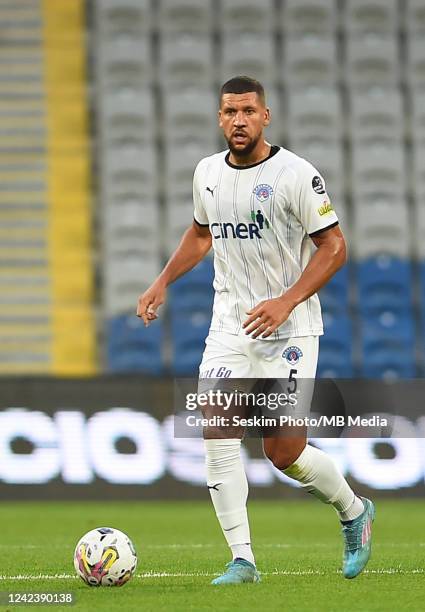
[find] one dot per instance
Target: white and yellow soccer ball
(105, 557)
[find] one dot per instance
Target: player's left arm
(330, 256)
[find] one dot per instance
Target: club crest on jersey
(263, 192)
(292, 354)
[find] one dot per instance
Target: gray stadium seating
(123, 18)
(372, 61)
(419, 225)
(314, 114)
(180, 163)
(179, 216)
(415, 70)
(310, 16)
(126, 278)
(186, 60)
(379, 169)
(330, 163)
(417, 116)
(381, 228)
(185, 16)
(418, 170)
(414, 17)
(239, 16)
(364, 16)
(309, 60)
(377, 116)
(252, 54)
(124, 64)
(131, 227)
(126, 117)
(129, 170)
(190, 115)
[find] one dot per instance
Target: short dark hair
(243, 84)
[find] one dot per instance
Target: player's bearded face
(242, 118)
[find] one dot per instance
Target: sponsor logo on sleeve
(318, 186)
(325, 209)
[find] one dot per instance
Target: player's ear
(220, 122)
(267, 116)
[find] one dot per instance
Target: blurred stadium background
(105, 108)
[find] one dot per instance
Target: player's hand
(265, 318)
(150, 301)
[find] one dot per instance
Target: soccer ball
(105, 557)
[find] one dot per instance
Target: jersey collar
(273, 150)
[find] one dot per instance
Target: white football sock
(319, 475)
(228, 486)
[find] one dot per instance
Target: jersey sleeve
(312, 204)
(199, 213)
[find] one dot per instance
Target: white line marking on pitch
(391, 571)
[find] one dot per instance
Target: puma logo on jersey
(211, 191)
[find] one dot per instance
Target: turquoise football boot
(238, 571)
(358, 540)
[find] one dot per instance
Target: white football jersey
(261, 218)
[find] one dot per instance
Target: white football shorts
(238, 356)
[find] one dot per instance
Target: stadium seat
(418, 175)
(125, 278)
(419, 227)
(334, 296)
(377, 116)
(125, 118)
(123, 18)
(132, 347)
(186, 60)
(388, 348)
(188, 333)
(372, 61)
(314, 114)
(309, 60)
(415, 70)
(369, 16)
(194, 291)
(131, 228)
(310, 17)
(379, 169)
(124, 64)
(252, 54)
(335, 354)
(414, 17)
(241, 16)
(384, 283)
(328, 160)
(180, 162)
(417, 117)
(127, 169)
(179, 216)
(190, 16)
(191, 115)
(382, 228)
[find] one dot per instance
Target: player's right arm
(194, 245)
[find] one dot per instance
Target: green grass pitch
(297, 544)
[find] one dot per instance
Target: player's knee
(282, 458)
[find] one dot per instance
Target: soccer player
(276, 242)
